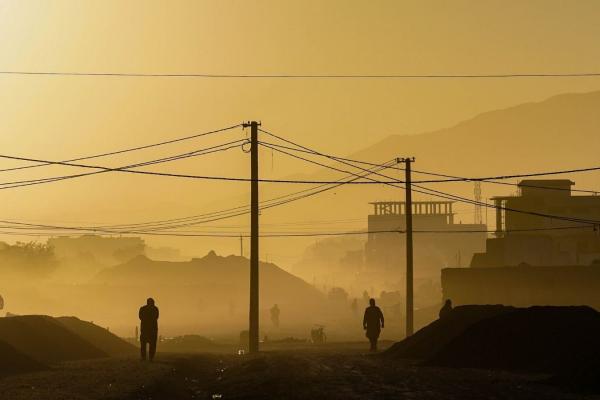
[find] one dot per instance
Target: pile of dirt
(540, 339)
(584, 378)
(14, 362)
(431, 339)
(97, 336)
(45, 340)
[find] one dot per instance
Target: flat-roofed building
(534, 258)
(439, 247)
(525, 234)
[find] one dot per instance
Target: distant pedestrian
(149, 328)
(275, 315)
(354, 307)
(373, 323)
(446, 309)
(317, 334)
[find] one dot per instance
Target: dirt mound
(14, 362)
(432, 338)
(45, 340)
(97, 336)
(543, 339)
(584, 378)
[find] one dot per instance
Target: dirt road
(332, 373)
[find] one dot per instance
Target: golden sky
(65, 117)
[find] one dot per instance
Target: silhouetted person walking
(354, 307)
(373, 323)
(275, 315)
(446, 309)
(149, 328)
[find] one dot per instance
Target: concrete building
(523, 286)
(432, 251)
(535, 259)
(523, 238)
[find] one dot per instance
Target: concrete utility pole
(253, 328)
(409, 246)
(478, 217)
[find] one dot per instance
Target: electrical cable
(111, 153)
(304, 76)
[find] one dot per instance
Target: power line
(294, 223)
(453, 197)
(432, 231)
(453, 178)
(312, 151)
(304, 76)
(436, 193)
(111, 153)
(126, 168)
(304, 159)
(189, 176)
(193, 220)
(449, 196)
(338, 159)
(285, 199)
(231, 212)
(237, 179)
(554, 228)
(297, 234)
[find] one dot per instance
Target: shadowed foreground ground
(332, 373)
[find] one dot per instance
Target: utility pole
(241, 245)
(253, 328)
(478, 218)
(409, 246)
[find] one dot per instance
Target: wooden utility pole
(409, 247)
(253, 326)
(241, 245)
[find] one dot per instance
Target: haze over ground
(64, 117)
(470, 88)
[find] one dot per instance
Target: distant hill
(212, 272)
(562, 131)
(558, 133)
(211, 290)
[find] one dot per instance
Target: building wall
(432, 251)
(523, 286)
(532, 237)
(580, 207)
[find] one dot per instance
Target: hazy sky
(65, 117)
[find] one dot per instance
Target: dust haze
(300, 199)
